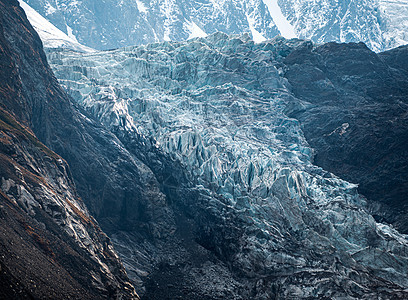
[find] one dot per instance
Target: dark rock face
(355, 116)
(50, 247)
(108, 178)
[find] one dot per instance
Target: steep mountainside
(50, 247)
(381, 24)
(347, 21)
(118, 188)
(50, 35)
(123, 23)
(355, 115)
(396, 22)
(209, 117)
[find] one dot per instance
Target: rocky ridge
(49, 244)
(50, 247)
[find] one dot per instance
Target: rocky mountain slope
(356, 117)
(209, 117)
(381, 24)
(50, 247)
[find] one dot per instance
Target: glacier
(216, 107)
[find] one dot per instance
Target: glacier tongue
(216, 106)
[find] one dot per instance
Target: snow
(256, 36)
(70, 34)
(195, 30)
(381, 24)
(285, 28)
(168, 12)
(40, 23)
(50, 35)
(141, 6)
(49, 9)
(166, 36)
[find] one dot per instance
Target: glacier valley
(245, 207)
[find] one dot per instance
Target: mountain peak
(379, 24)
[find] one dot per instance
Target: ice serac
(208, 117)
(50, 246)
